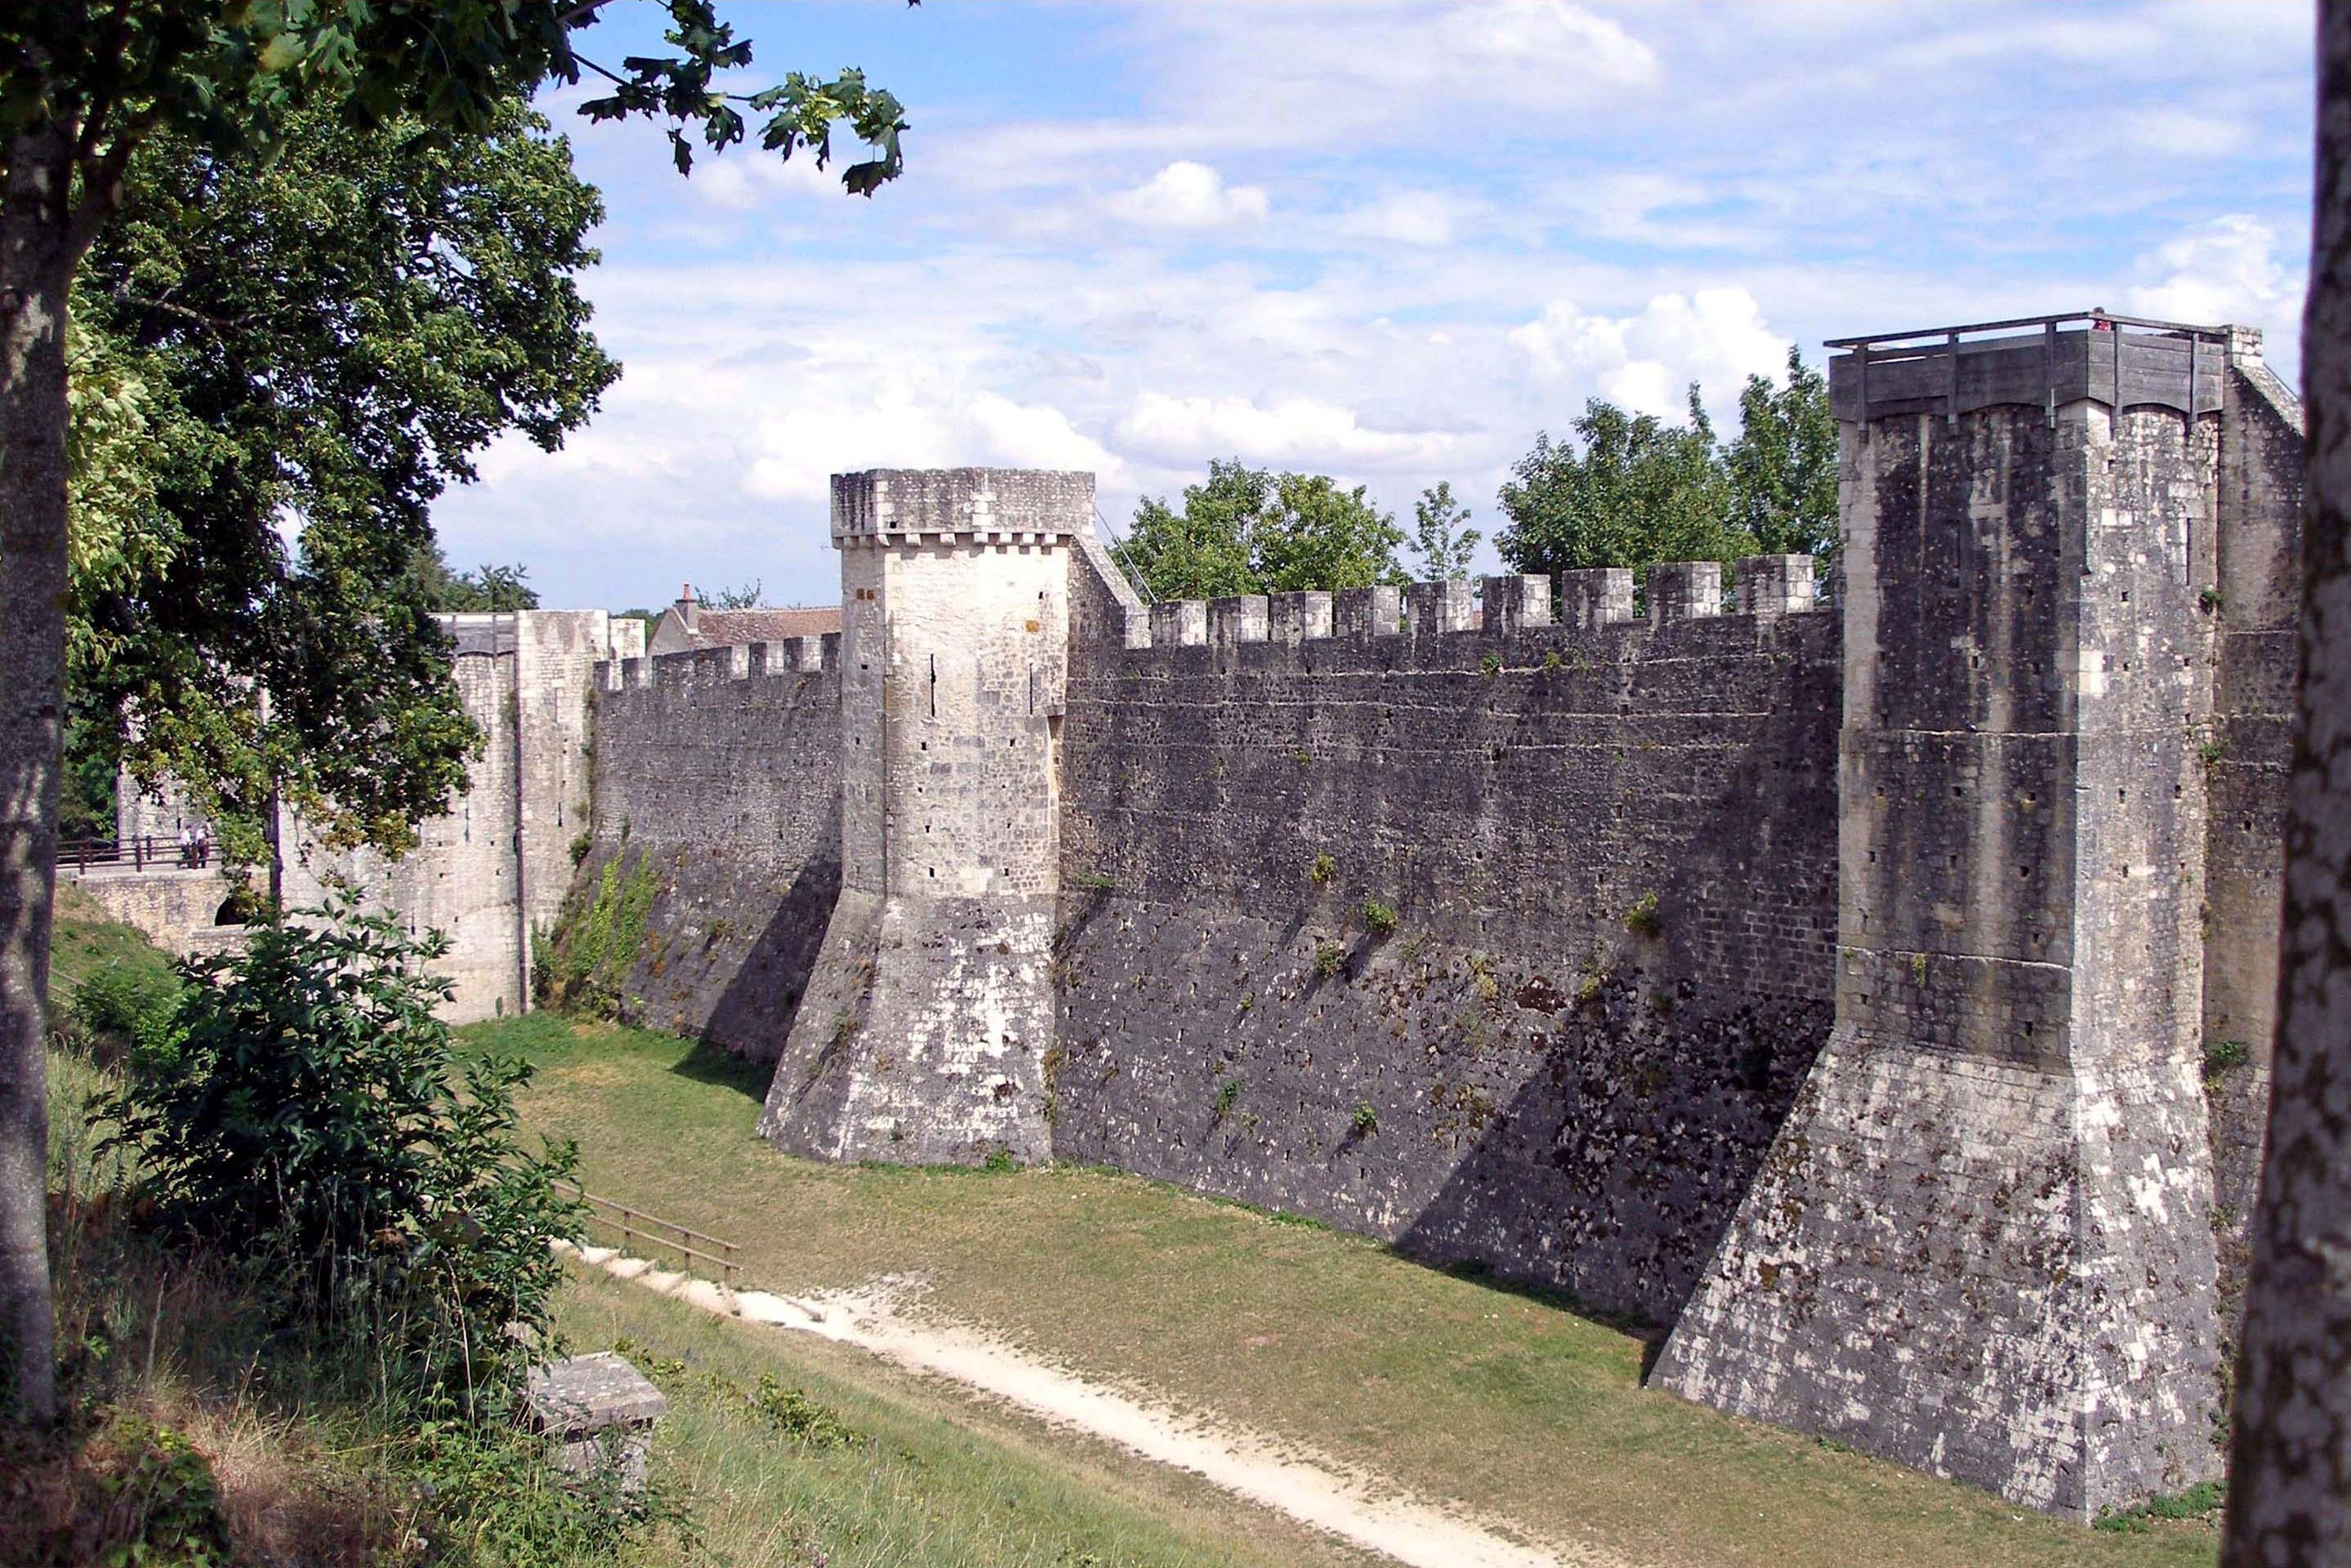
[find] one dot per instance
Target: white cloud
(746, 179)
(1189, 195)
(2221, 271)
(1410, 218)
(1646, 361)
(1189, 431)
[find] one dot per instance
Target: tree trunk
(2290, 1482)
(36, 259)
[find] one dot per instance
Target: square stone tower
(924, 1032)
(1981, 1243)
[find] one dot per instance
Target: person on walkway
(187, 846)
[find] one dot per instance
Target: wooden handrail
(632, 1223)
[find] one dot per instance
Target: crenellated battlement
(1446, 624)
(702, 667)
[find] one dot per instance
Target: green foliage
(1783, 463)
(327, 335)
(2203, 1500)
(1379, 918)
(132, 1006)
(732, 598)
(1636, 490)
(1324, 869)
(2224, 1056)
(157, 1476)
(1441, 536)
(1642, 919)
(487, 588)
(1490, 666)
(1365, 1121)
(1328, 958)
(1250, 531)
(1633, 490)
(598, 945)
(792, 1414)
(319, 1118)
(1228, 1093)
(999, 1162)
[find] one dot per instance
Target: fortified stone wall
(491, 873)
(2255, 610)
(717, 783)
(1982, 1245)
(1609, 852)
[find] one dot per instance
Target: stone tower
(1981, 1243)
(924, 1032)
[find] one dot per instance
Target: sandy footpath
(1358, 1508)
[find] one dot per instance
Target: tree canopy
(320, 341)
(84, 88)
(1441, 537)
(1632, 490)
(1250, 531)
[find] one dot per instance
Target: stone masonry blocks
(1595, 597)
(1684, 590)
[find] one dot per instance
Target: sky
(1387, 240)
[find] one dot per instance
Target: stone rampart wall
(720, 770)
(1610, 853)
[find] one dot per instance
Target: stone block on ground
(600, 1409)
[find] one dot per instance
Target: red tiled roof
(724, 629)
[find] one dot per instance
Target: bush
(133, 1007)
(1365, 1121)
(1322, 871)
(319, 1120)
(1379, 918)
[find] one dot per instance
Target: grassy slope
(85, 940)
(1504, 1401)
(936, 1480)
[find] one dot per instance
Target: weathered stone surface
(492, 872)
(600, 1409)
(1609, 853)
(1981, 1243)
(934, 1008)
(1846, 984)
(720, 771)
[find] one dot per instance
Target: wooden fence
(634, 1225)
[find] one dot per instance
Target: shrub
(133, 1007)
(1324, 869)
(1227, 1092)
(1328, 957)
(1642, 919)
(318, 1120)
(1378, 919)
(1492, 665)
(1365, 1121)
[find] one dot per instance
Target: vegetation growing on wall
(598, 941)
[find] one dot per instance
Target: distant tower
(1981, 1243)
(924, 1033)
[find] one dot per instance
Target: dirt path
(1317, 1493)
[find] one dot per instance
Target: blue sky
(1388, 240)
